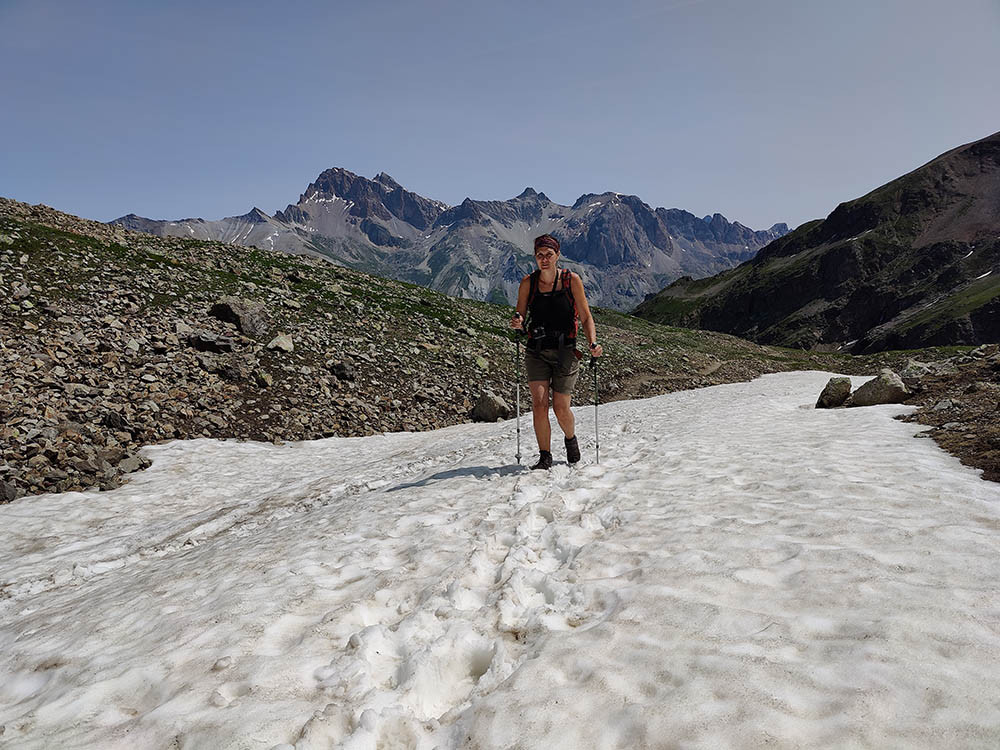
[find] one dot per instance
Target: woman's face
(546, 258)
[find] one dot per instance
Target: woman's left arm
(586, 319)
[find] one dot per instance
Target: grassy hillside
(907, 265)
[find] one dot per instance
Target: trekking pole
(597, 437)
(517, 390)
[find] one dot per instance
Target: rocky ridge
(913, 263)
(622, 247)
(111, 340)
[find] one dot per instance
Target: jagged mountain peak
(376, 224)
(468, 210)
(384, 179)
(254, 215)
(587, 200)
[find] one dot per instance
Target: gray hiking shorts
(560, 367)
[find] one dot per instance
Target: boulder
(886, 388)
(236, 367)
(834, 394)
(490, 407)
(233, 367)
(915, 369)
(244, 315)
(133, 463)
(8, 492)
(204, 341)
(282, 341)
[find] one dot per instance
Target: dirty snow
(740, 571)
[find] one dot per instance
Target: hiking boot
(544, 460)
(572, 450)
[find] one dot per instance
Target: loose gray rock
(238, 368)
(342, 370)
(204, 341)
(116, 421)
(234, 367)
(943, 405)
(915, 369)
(886, 388)
(834, 394)
(246, 316)
(490, 407)
(282, 341)
(943, 368)
(8, 492)
(133, 463)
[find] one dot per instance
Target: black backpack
(564, 284)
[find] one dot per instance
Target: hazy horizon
(768, 112)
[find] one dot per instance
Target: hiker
(551, 307)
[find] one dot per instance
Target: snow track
(741, 571)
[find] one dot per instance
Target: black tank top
(553, 311)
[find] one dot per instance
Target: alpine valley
(621, 247)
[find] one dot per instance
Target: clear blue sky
(764, 110)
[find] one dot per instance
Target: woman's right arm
(521, 310)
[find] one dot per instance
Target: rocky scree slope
(623, 248)
(914, 263)
(111, 340)
(959, 398)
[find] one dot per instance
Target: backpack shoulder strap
(533, 286)
(567, 285)
(566, 282)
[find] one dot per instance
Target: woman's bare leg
(540, 413)
(560, 405)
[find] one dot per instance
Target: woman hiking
(551, 307)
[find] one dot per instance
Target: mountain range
(621, 247)
(913, 263)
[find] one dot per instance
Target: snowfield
(740, 571)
